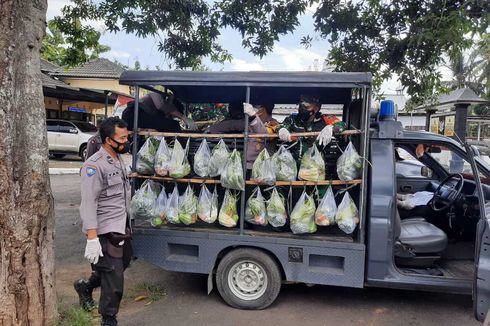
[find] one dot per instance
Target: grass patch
(150, 292)
(75, 316)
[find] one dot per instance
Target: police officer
(104, 213)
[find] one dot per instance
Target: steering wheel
(449, 195)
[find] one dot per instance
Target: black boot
(84, 290)
(108, 320)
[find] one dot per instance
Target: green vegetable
(202, 159)
(207, 208)
(302, 216)
(188, 207)
(162, 158)
(156, 222)
(312, 165)
(284, 165)
(327, 208)
(172, 209)
(228, 215)
(255, 212)
(347, 214)
(262, 170)
(349, 164)
(219, 157)
(143, 201)
(146, 156)
(232, 176)
(179, 165)
(276, 210)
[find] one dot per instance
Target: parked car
(69, 137)
(482, 146)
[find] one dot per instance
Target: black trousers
(108, 273)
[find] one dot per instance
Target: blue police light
(387, 110)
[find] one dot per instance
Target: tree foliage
(406, 38)
(71, 45)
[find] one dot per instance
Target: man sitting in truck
(157, 112)
(309, 119)
(261, 122)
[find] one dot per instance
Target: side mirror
(426, 172)
(435, 149)
(73, 131)
(475, 150)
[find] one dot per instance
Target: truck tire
(248, 279)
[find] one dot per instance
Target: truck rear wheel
(248, 279)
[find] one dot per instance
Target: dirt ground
(186, 301)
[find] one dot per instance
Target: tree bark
(27, 293)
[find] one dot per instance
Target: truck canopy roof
(275, 87)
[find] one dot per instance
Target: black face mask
(304, 114)
(125, 146)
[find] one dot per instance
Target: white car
(69, 137)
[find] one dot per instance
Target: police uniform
(93, 145)
(105, 191)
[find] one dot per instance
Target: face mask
(125, 147)
(303, 113)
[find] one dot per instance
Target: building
(63, 101)
(98, 74)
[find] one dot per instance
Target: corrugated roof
(97, 68)
(250, 78)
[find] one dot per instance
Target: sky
(288, 54)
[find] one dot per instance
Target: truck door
(481, 282)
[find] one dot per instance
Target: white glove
(93, 251)
(248, 109)
(284, 135)
(191, 125)
(325, 136)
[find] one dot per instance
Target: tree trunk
(27, 293)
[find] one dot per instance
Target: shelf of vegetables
(159, 161)
(297, 183)
(149, 132)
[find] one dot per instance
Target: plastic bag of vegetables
(262, 169)
(172, 209)
(312, 166)
(347, 214)
(326, 210)
(228, 215)
(188, 207)
(158, 212)
(276, 209)
(207, 207)
(303, 215)
(145, 158)
(255, 212)
(162, 158)
(219, 157)
(179, 165)
(202, 159)
(349, 164)
(144, 199)
(284, 165)
(232, 176)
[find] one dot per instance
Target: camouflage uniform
(293, 124)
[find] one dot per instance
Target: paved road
(186, 302)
